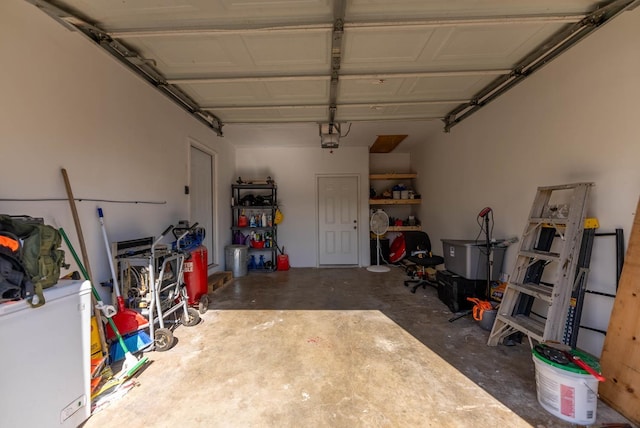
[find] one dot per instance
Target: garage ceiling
(340, 61)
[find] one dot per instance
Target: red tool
(565, 350)
(580, 363)
(484, 212)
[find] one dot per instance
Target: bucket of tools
(567, 383)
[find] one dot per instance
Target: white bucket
(569, 395)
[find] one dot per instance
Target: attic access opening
(386, 143)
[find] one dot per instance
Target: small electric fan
(379, 224)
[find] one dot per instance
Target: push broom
(131, 364)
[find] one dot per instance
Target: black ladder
(541, 253)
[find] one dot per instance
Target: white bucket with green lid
(566, 390)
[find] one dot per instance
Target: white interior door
(338, 220)
(201, 195)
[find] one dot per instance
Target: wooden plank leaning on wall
(620, 359)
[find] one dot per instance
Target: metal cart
(152, 275)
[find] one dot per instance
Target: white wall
(295, 171)
(574, 120)
(67, 104)
(386, 163)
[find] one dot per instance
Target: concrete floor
(333, 348)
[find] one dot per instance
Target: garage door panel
(119, 15)
(367, 9)
(290, 49)
(196, 56)
(390, 46)
(412, 89)
(497, 45)
(478, 47)
(380, 112)
(275, 60)
(258, 93)
(267, 115)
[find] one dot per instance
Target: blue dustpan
(134, 342)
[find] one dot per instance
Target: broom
(131, 364)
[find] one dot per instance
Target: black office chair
(418, 247)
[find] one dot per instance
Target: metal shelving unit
(269, 193)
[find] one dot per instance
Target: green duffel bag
(41, 255)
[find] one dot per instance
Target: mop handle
(107, 310)
(116, 287)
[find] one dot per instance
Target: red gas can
(283, 262)
(195, 278)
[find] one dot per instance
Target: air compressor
(195, 264)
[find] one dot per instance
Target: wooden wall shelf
(393, 176)
(395, 201)
(403, 228)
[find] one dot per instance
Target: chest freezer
(45, 359)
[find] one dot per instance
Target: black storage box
(453, 290)
(384, 250)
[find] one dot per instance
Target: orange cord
(479, 307)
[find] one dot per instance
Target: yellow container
(95, 337)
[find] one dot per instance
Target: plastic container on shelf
(243, 221)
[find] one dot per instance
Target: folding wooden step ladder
(557, 210)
